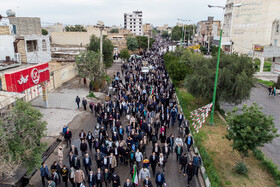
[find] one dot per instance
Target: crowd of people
(137, 115)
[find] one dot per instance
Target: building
(57, 27)
(147, 29)
(250, 24)
(133, 22)
(163, 28)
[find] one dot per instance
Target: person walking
(91, 179)
(147, 182)
(91, 105)
(99, 178)
(83, 147)
(160, 179)
(139, 159)
(183, 163)
(71, 176)
(78, 100)
(84, 102)
(60, 155)
(270, 90)
(79, 177)
(67, 137)
(87, 163)
(44, 173)
(196, 162)
(64, 172)
(107, 177)
(178, 151)
(128, 183)
(144, 172)
(153, 161)
(116, 180)
(190, 172)
(189, 142)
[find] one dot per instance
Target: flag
(135, 177)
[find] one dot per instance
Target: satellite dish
(10, 13)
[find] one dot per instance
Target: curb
(263, 85)
(203, 177)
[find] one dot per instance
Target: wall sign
(23, 79)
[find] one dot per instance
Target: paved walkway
(271, 106)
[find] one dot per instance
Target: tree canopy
(124, 54)
(45, 32)
(88, 65)
(143, 42)
(21, 130)
(165, 34)
(115, 30)
(107, 49)
(235, 80)
(250, 129)
(132, 43)
(76, 28)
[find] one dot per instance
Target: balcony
(10, 62)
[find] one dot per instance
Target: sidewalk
(267, 76)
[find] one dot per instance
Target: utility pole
(193, 33)
(101, 45)
(149, 40)
(183, 30)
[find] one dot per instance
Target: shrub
(91, 94)
(241, 168)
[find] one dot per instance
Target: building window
(130, 26)
(134, 23)
(277, 27)
(31, 45)
(44, 45)
(140, 19)
(275, 42)
(134, 29)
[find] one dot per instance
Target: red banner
(23, 79)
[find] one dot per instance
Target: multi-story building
(133, 22)
(147, 28)
(250, 24)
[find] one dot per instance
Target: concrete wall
(7, 47)
(26, 25)
(252, 23)
(5, 30)
(39, 56)
(64, 74)
(76, 38)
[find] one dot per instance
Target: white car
(145, 70)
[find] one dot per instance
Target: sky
(111, 12)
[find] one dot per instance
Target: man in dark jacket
(91, 179)
(183, 163)
(178, 151)
(128, 183)
(190, 172)
(196, 163)
(78, 100)
(99, 178)
(84, 103)
(147, 182)
(116, 180)
(44, 173)
(83, 147)
(159, 179)
(107, 177)
(76, 163)
(189, 141)
(154, 161)
(87, 163)
(67, 137)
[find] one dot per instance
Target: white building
(133, 22)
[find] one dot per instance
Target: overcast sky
(157, 12)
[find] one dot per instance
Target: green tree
(235, 80)
(45, 32)
(250, 129)
(176, 33)
(76, 28)
(114, 30)
(165, 34)
(107, 49)
(124, 54)
(21, 130)
(88, 65)
(131, 43)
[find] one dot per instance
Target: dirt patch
(225, 159)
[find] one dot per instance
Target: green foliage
(177, 68)
(176, 33)
(203, 50)
(114, 30)
(45, 32)
(267, 83)
(21, 131)
(132, 43)
(124, 54)
(241, 168)
(266, 67)
(108, 79)
(91, 94)
(165, 34)
(269, 165)
(76, 28)
(88, 65)
(250, 130)
(214, 50)
(235, 80)
(107, 49)
(143, 42)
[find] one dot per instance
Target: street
(270, 106)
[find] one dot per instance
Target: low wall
(64, 74)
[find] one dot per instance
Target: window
(31, 45)
(275, 42)
(277, 27)
(140, 19)
(44, 45)
(130, 26)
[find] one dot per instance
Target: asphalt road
(270, 106)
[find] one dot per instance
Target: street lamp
(218, 61)
(183, 29)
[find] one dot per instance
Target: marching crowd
(147, 106)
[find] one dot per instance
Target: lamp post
(183, 29)
(218, 62)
